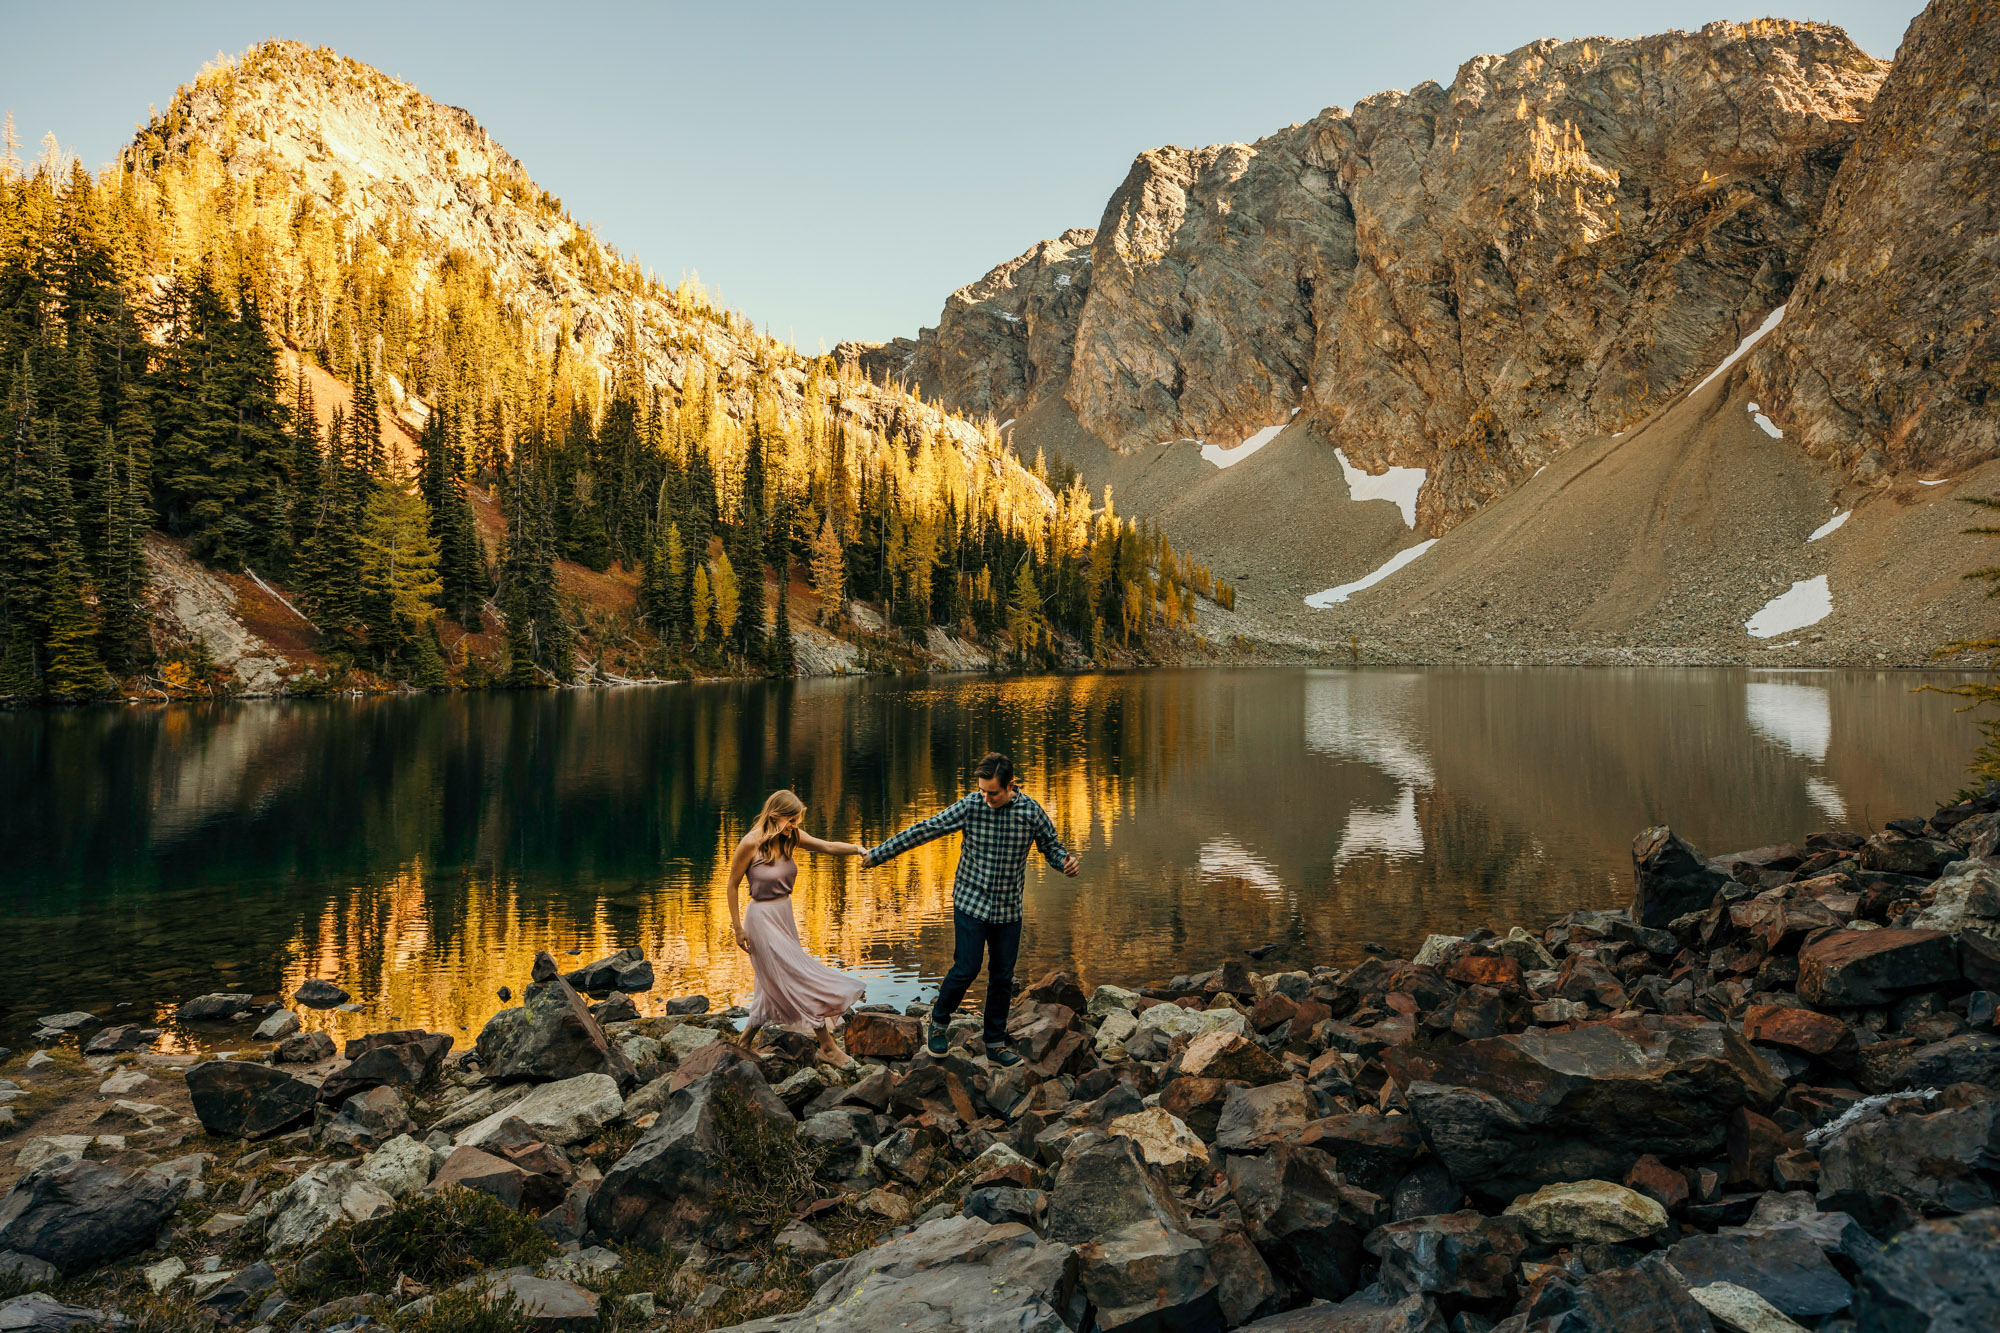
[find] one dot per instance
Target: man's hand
(1071, 866)
(867, 859)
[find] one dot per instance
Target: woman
(792, 986)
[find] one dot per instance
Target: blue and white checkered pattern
(993, 859)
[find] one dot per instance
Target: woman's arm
(824, 848)
(738, 864)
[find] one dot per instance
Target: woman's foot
(830, 1052)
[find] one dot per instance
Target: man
(1000, 823)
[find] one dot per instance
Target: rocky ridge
(1464, 279)
(1763, 1096)
(338, 151)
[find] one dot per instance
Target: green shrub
(436, 1239)
(767, 1167)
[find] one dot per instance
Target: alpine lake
(419, 850)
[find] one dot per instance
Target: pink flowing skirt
(792, 985)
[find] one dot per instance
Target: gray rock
(1306, 1223)
(399, 1168)
(217, 1007)
(1363, 1312)
(1104, 1187)
(1786, 1268)
(244, 1290)
(76, 1215)
(803, 1244)
(565, 1112)
(1463, 1255)
(954, 1273)
(666, 1188)
(305, 1048)
(300, 1213)
(319, 993)
(368, 1120)
(277, 1026)
(238, 1099)
(551, 1036)
(1005, 1203)
(1253, 1117)
(1669, 878)
(121, 1037)
(37, 1313)
(1940, 1276)
(401, 1059)
(1146, 1276)
(26, 1268)
(626, 970)
(1508, 1114)
(688, 1004)
(1935, 1159)
(67, 1022)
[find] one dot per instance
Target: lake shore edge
(1704, 1108)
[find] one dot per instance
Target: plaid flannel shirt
(993, 859)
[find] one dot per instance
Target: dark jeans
(971, 938)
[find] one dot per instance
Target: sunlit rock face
(1888, 343)
(1463, 279)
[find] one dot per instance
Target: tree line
(145, 389)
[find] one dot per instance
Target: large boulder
(1935, 1158)
(1105, 1186)
(368, 1120)
(238, 1099)
(884, 1036)
(1146, 1276)
(300, 1213)
(949, 1273)
(1462, 1256)
(1229, 1056)
(551, 1036)
(385, 1059)
(1588, 1212)
(1648, 1297)
(1967, 899)
(1509, 1114)
(627, 970)
(1785, 1267)
(79, 1214)
(1852, 968)
(1940, 1276)
(1669, 878)
(1167, 1145)
(1373, 1151)
(1306, 1223)
(564, 1112)
(676, 1182)
(319, 993)
(1254, 1118)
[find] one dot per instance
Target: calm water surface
(420, 850)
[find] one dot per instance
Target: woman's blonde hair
(772, 841)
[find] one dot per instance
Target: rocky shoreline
(1765, 1096)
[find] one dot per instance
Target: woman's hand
(742, 940)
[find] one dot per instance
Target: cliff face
(1886, 358)
(1463, 279)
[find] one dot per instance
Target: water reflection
(421, 850)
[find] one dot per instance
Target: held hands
(1071, 866)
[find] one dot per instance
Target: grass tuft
(455, 1311)
(436, 1239)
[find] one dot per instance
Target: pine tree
(784, 658)
(829, 573)
(745, 560)
(704, 604)
(399, 563)
(74, 669)
(728, 598)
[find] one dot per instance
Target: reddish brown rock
(1797, 1029)
(1658, 1182)
(1226, 1055)
(1497, 971)
(1754, 1144)
(1196, 1102)
(469, 1168)
(1868, 967)
(1371, 1150)
(1272, 1010)
(884, 1036)
(1058, 987)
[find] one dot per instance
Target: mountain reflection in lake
(420, 850)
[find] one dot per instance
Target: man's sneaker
(1002, 1054)
(940, 1037)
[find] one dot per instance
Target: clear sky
(833, 169)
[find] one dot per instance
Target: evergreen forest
(162, 326)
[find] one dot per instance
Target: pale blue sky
(834, 169)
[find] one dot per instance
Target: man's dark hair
(997, 766)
